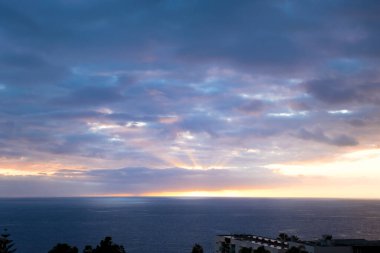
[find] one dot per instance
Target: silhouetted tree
(107, 246)
(88, 249)
(261, 250)
(63, 248)
(327, 237)
(294, 238)
(296, 250)
(224, 248)
(245, 250)
(283, 237)
(6, 244)
(197, 248)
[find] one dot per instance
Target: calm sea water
(173, 225)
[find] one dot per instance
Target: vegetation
(286, 238)
(296, 250)
(197, 249)
(6, 244)
(245, 250)
(294, 238)
(108, 246)
(63, 248)
(105, 246)
(261, 250)
(88, 249)
(224, 248)
(250, 250)
(283, 237)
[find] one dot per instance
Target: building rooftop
(341, 242)
(325, 241)
(260, 240)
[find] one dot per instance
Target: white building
(235, 243)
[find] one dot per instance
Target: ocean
(173, 225)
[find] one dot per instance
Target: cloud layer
(201, 85)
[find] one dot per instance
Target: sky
(190, 98)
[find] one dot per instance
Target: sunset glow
(190, 99)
